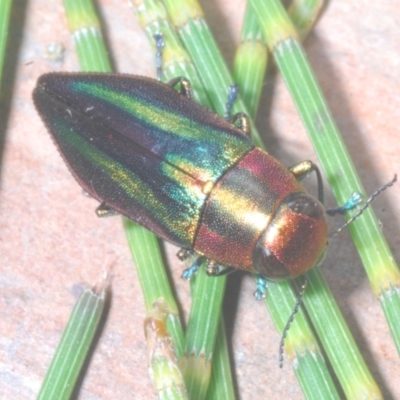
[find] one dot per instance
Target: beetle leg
(103, 210)
(188, 273)
(243, 123)
(159, 42)
(184, 254)
(242, 120)
(261, 289)
(351, 203)
(185, 86)
(304, 168)
(233, 92)
(215, 269)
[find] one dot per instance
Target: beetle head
(295, 239)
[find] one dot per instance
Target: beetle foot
(159, 42)
(355, 199)
(243, 123)
(213, 268)
(190, 272)
(103, 210)
(233, 92)
(185, 86)
(184, 254)
(261, 289)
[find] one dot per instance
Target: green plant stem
(251, 57)
(250, 63)
(304, 15)
(153, 278)
(284, 44)
(5, 11)
(74, 346)
(85, 28)
(164, 370)
(221, 384)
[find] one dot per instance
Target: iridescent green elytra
(147, 152)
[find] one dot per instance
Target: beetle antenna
(159, 42)
(365, 206)
(233, 92)
(290, 320)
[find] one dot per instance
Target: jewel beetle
(149, 152)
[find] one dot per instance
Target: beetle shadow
(351, 275)
(12, 52)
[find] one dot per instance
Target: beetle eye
(266, 264)
(302, 203)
